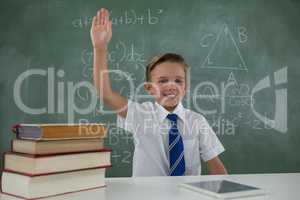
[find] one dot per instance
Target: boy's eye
(178, 81)
(163, 81)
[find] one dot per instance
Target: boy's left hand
(215, 166)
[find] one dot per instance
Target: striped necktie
(176, 153)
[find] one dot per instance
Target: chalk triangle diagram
(231, 78)
(224, 53)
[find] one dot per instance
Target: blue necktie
(176, 153)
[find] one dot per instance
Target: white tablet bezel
(228, 195)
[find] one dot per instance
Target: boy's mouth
(169, 96)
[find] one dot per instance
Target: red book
(41, 186)
(32, 165)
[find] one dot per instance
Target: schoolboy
(169, 139)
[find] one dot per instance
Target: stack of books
(54, 159)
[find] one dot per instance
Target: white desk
(279, 187)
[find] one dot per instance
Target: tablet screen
(222, 186)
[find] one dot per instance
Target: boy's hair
(168, 57)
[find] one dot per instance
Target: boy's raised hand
(101, 30)
(101, 33)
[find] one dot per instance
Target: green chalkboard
(244, 65)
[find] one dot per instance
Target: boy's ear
(147, 87)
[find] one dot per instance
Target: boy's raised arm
(101, 33)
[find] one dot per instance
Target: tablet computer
(223, 189)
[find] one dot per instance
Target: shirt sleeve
(129, 123)
(210, 145)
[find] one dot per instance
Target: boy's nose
(172, 86)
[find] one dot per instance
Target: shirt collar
(162, 112)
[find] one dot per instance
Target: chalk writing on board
(127, 138)
(228, 93)
(127, 157)
(204, 42)
(224, 46)
(240, 95)
(116, 137)
(121, 157)
(236, 119)
(242, 33)
(128, 17)
(120, 54)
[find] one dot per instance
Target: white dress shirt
(149, 126)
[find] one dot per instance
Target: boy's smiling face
(167, 84)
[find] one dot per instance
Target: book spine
(52, 173)
(57, 154)
(55, 195)
(76, 132)
(58, 132)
